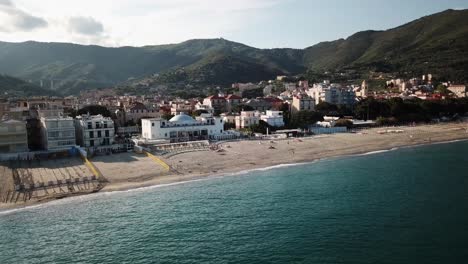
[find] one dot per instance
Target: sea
(406, 205)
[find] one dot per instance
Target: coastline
(242, 157)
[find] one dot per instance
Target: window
(91, 143)
(152, 124)
(105, 124)
(107, 133)
(90, 125)
(91, 134)
(99, 134)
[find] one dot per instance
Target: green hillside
(434, 44)
(10, 86)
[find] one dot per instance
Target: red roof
(233, 96)
(215, 97)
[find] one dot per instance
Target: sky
(258, 23)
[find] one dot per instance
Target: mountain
(433, 44)
(10, 86)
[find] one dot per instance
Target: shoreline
(193, 172)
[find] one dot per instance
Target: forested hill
(434, 44)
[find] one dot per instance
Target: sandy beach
(254, 154)
(131, 170)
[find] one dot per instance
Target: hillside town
(52, 147)
(122, 122)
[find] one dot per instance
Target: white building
(58, 133)
(273, 118)
(94, 131)
(247, 119)
(182, 128)
(333, 94)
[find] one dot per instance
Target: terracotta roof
(215, 97)
(233, 96)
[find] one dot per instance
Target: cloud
(15, 19)
(85, 26)
(6, 3)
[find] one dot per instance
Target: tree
(442, 89)
(242, 107)
(228, 125)
(344, 123)
(261, 127)
(95, 110)
(167, 116)
(326, 108)
(303, 119)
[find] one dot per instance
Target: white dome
(182, 119)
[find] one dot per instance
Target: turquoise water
(403, 206)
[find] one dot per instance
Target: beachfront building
(182, 128)
(94, 130)
(273, 118)
(247, 119)
(301, 103)
(13, 136)
(57, 133)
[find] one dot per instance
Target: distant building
(273, 118)
(333, 94)
(13, 136)
(301, 103)
(182, 128)
(232, 101)
(133, 113)
(57, 133)
(247, 119)
(94, 131)
(259, 104)
(458, 90)
(216, 102)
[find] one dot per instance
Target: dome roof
(182, 119)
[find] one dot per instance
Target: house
(247, 119)
(57, 133)
(259, 104)
(458, 90)
(133, 113)
(94, 131)
(232, 101)
(273, 118)
(13, 136)
(302, 103)
(218, 103)
(182, 128)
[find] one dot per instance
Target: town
(68, 135)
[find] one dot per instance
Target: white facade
(333, 94)
(182, 128)
(247, 119)
(58, 133)
(94, 131)
(273, 118)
